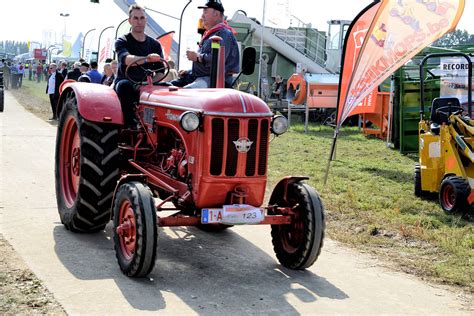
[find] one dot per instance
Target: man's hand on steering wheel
(144, 63)
(152, 58)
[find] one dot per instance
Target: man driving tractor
(131, 50)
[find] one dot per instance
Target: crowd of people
(80, 71)
(13, 73)
(39, 71)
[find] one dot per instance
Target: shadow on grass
(393, 175)
(458, 220)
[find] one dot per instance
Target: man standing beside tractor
(52, 89)
(199, 76)
(131, 50)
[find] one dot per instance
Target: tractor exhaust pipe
(217, 63)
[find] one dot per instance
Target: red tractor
(202, 151)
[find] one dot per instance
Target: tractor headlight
(189, 121)
(279, 124)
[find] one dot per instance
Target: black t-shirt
(128, 45)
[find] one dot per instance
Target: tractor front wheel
(453, 194)
(298, 245)
(135, 229)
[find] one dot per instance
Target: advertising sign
(40, 54)
(453, 71)
(397, 32)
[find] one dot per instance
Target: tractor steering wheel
(148, 71)
(450, 109)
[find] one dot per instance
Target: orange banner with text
(399, 30)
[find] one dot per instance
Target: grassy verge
(368, 199)
(32, 95)
(371, 206)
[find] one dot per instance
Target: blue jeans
(128, 96)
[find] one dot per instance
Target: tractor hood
(208, 101)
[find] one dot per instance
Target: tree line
(13, 47)
(456, 38)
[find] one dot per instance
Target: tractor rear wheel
(135, 229)
(417, 181)
(453, 194)
(298, 245)
(86, 170)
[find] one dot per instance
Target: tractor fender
(95, 102)
(281, 188)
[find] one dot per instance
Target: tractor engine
(171, 156)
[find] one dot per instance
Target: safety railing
(313, 48)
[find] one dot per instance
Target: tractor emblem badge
(243, 144)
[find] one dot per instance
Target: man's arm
(232, 56)
(127, 59)
(150, 58)
(231, 52)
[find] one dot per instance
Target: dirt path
(21, 292)
(234, 272)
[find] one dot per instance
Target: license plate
(238, 214)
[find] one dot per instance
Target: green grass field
(370, 203)
(369, 199)
(35, 89)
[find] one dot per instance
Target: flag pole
(332, 154)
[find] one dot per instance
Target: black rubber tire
(89, 209)
(2, 99)
(305, 236)
(417, 182)
(142, 259)
(453, 195)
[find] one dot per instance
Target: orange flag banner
(166, 40)
(353, 43)
(396, 31)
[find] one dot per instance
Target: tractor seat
(438, 118)
(449, 104)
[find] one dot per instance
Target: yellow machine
(446, 142)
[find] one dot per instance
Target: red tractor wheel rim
(127, 230)
(70, 161)
(292, 235)
(448, 197)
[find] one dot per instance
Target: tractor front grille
(233, 127)
(226, 160)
